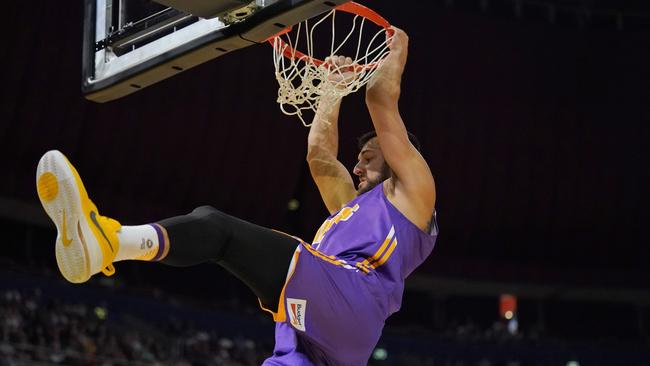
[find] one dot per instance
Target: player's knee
(212, 216)
(205, 211)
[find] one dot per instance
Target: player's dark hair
(372, 134)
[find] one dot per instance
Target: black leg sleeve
(258, 256)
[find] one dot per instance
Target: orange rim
(349, 7)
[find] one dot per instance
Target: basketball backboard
(131, 44)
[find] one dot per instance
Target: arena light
(293, 204)
(513, 326)
(380, 354)
(101, 313)
(508, 306)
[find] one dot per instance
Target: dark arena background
(534, 118)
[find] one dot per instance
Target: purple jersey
(342, 287)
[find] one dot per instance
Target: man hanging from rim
(329, 298)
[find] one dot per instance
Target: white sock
(142, 242)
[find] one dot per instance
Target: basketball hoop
(304, 78)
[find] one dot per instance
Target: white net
(304, 78)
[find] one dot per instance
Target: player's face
(371, 168)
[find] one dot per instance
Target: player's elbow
(383, 100)
(316, 152)
(311, 152)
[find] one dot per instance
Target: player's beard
(370, 184)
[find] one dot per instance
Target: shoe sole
(60, 191)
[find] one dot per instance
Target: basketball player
(329, 298)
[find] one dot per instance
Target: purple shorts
(330, 313)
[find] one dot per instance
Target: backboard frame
(106, 76)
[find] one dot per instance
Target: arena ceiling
(536, 131)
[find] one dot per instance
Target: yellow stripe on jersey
(366, 262)
(382, 254)
(387, 255)
(363, 268)
(327, 258)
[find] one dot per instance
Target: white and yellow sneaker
(87, 242)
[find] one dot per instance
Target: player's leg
(88, 243)
(256, 255)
